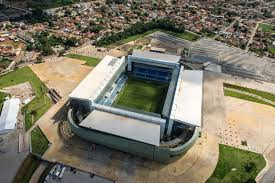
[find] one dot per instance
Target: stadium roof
(98, 78)
(9, 113)
(187, 104)
(148, 55)
(123, 126)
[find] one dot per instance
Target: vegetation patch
(45, 42)
(244, 97)
(267, 28)
(185, 35)
(236, 165)
(2, 99)
(139, 30)
(262, 94)
(130, 38)
(45, 173)
(39, 141)
(90, 61)
(50, 3)
(271, 50)
(4, 63)
(26, 170)
(142, 95)
(40, 104)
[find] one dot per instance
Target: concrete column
(129, 65)
(162, 128)
(169, 129)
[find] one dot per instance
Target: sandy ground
(63, 75)
(252, 122)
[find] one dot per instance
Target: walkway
(252, 36)
(38, 172)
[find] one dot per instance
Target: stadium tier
(145, 104)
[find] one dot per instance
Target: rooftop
(148, 55)
(96, 81)
(123, 126)
(9, 113)
(187, 104)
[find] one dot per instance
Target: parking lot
(60, 173)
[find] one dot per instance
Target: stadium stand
(232, 60)
(152, 72)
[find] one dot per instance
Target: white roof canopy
(9, 113)
(90, 87)
(187, 104)
(123, 126)
(163, 57)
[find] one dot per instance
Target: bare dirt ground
(22, 91)
(62, 74)
(100, 53)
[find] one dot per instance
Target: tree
(47, 50)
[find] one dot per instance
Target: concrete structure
(232, 60)
(93, 118)
(8, 117)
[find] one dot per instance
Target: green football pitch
(142, 95)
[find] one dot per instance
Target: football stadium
(145, 104)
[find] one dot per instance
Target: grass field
(142, 95)
(40, 104)
(26, 169)
(267, 28)
(236, 165)
(90, 61)
(263, 94)
(244, 97)
(39, 141)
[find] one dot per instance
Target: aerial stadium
(145, 104)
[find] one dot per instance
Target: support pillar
(170, 126)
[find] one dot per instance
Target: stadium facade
(156, 136)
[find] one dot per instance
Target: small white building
(8, 116)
